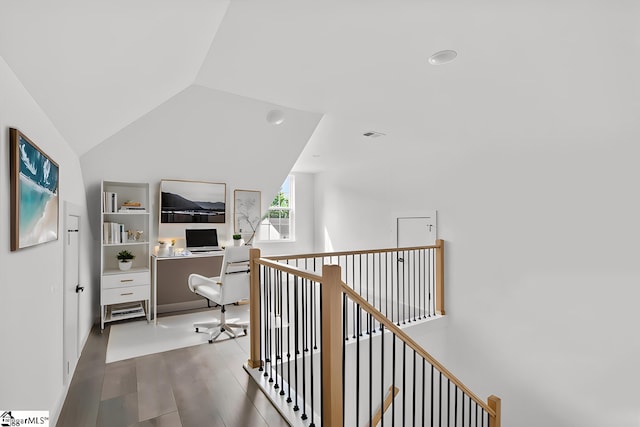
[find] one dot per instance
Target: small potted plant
(124, 259)
(237, 240)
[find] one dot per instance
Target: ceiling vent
(372, 134)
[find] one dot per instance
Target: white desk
(172, 272)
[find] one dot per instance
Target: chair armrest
(196, 280)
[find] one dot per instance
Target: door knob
(79, 288)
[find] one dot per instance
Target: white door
(72, 290)
(416, 230)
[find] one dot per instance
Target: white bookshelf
(123, 289)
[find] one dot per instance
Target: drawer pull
(126, 280)
(128, 293)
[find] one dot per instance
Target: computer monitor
(201, 239)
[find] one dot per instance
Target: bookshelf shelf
(121, 312)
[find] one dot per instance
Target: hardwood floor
(199, 386)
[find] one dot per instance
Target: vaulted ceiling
(527, 72)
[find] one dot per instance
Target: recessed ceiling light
(275, 117)
(442, 57)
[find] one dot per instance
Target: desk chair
(230, 287)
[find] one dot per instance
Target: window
(279, 224)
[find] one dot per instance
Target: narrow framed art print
(246, 215)
(34, 193)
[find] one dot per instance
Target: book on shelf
(130, 203)
(109, 201)
(126, 209)
(113, 232)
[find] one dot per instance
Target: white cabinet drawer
(125, 279)
(128, 294)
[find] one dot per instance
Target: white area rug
(139, 338)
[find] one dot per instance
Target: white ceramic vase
(124, 265)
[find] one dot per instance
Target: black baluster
(296, 339)
(393, 380)
(448, 400)
(476, 414)
(455, 406)
(382, 371)
(424, 395)
(344, 302)
(414, 388)
(268, 322)
(311, 321)
(304, 370)
(398, 259)
(276, 298)
(263, 309)
(432, 399)
(280, 311)
(404, 288)
(404, 382)
(369, 318)
(380, 283)
(440, 401)
(289, 340)
(353, 286)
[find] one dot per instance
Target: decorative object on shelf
(132, 206)
(192, 202)
(237, 240)
(125, 259)
(165, 248)
(135, 235)
(34, 193)
(246, 217)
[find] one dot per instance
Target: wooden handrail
(388, 324)
(359, 252)
(289, 269)
(439, 247)
(393, 392)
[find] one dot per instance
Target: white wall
(205, 135)
(542, 266)
(31, 291)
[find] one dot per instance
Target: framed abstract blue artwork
(34, 193)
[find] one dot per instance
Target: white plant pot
(238, 242)
(124, 265)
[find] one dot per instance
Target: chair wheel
(245, 331)
(197, 330)
(210, 341)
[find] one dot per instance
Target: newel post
(254, 309)
(440, 277)
(494, 403)
(331, 297)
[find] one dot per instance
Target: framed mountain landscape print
(34, 193)
(192, 202)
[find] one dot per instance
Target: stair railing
(299, 316)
